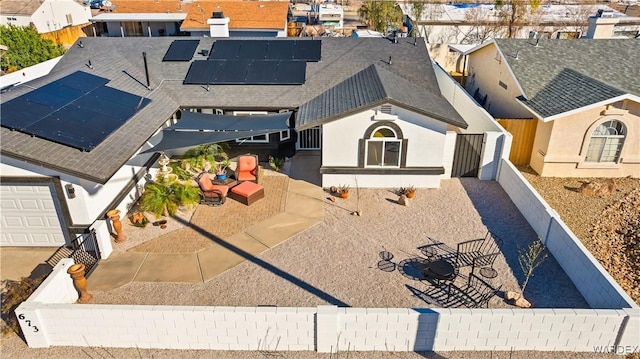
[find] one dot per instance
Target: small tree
(380, 14)
(529, 259)
(25, 47)
(515, 13)
(210, 152)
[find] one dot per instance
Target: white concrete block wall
(447, 155)
(169, 327)
(57, 287)
(532, 206)
(595, 284)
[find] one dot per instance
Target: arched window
(606, 142)
(383, 148)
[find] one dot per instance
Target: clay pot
(344, 195)
(76, 272)
(410, 194)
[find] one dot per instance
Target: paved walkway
(219, 238)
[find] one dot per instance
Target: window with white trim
(606, 142)
(383, 148)
(286, 134)
(253, 139)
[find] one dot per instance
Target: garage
(30, 216)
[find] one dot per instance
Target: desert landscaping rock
(608, 225)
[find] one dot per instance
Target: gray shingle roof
(563, 75)
(120, 60)
(371, 87)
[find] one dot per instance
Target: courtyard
(336, 260)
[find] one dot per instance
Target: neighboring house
(174, 17)
(371, 106)
(50, 17)
(584, 95)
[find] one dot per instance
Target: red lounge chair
(247, 169)
(212, 194)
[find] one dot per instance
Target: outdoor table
(441, 270)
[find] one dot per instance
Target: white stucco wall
(29, 73)
(91, 198)
(15, 20)
(425, 148)
(52, 15)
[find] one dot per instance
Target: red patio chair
(212, 194)
(247, 169)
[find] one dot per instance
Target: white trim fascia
(585, 108)
(484, 44)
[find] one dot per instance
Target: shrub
(14, 293)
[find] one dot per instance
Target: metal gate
(84, 249)
(309, 139)
(466, 157)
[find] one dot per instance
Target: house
(59, 20)
(371, 106)
(193, 18)
(583, 94)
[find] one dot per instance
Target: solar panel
(291, 73)
(308, 50)
(82, 81)
(268, 50)
(82, 122)
(198, 73)
(225, 50)
(232, 72)
(181, 50)
(280, 50)
(253, 50)
(262, 72)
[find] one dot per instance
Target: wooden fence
(68, 35)
(523, 132)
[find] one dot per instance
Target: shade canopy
(195, 129)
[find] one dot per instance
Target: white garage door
(29, 216)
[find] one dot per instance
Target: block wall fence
(595, 284)
(324, 328)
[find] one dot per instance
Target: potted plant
(343, 191)
(139, 219)
(221, 168)
(410, 191)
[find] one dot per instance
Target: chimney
(218, 25)
(601, 25)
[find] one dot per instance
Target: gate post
(103, 238)
(327, 329)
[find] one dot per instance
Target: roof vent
(605, 13)
(217, 15)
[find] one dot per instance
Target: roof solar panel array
(181, 50)
(78, 111)
(267, 50)
(247, 72)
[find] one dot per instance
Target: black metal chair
(485, 265)
(476, 293)
(469, 250)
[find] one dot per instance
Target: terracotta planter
(76, 272)
(114, 215)
(410, 194)
(344, 195)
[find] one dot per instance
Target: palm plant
(163, 198)
(209, 152)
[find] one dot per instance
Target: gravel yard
(608, 226)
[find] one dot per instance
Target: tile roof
(243, 14)
(563, 75)
(19, 7)
(120, 60)
(371, 87)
